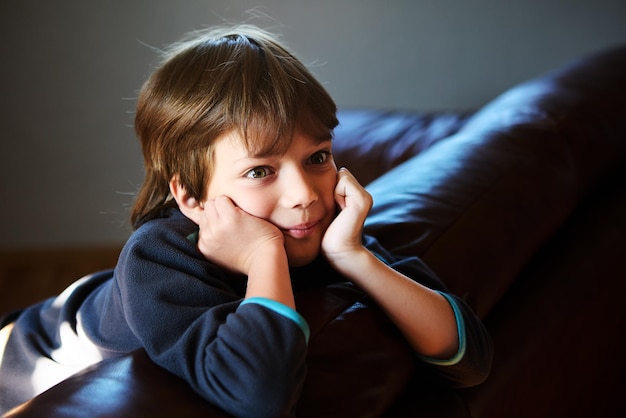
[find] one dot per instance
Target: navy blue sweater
(190, 316)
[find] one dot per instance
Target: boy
(242, 205)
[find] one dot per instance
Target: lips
(304, 230)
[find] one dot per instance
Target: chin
(302, 252)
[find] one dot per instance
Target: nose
(299, 189)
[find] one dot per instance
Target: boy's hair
(218, 81)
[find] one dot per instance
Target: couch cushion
(478, 204)
(358, 364)
(371, 141)
(128, 386)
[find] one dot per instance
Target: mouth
(304, 230)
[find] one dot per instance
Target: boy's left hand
(344, 235)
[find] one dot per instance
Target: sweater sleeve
(471, 364)
(245, 358)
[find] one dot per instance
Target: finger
(210, 216)
(224, 205)
(344, 174)
(349, 192)
(340, 193)
(347, 184)
(343, 171)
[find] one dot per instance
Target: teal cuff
(460, 326)
(283, 310)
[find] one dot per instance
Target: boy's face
(294, 191)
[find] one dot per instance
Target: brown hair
(215, 82)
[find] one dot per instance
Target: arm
(187, 313)
(470, 365)
(423, 315)
(440, 327)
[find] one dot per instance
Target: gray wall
(70, 69)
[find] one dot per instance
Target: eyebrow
(314, 140)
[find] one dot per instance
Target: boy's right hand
(233, 238)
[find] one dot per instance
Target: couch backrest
(479, 200)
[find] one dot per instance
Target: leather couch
(519, 207)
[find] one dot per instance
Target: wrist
(351, 262)
(268, 276)
(268, 256)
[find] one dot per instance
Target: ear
(187, 204)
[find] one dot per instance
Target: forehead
(234, 143)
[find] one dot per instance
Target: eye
(319, 157)
(258, 172)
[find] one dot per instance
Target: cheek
(256, 203)
(330, 184)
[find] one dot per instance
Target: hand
(233, 238)
(344, 235)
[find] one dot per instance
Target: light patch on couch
(4, 338)
(75, 353)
